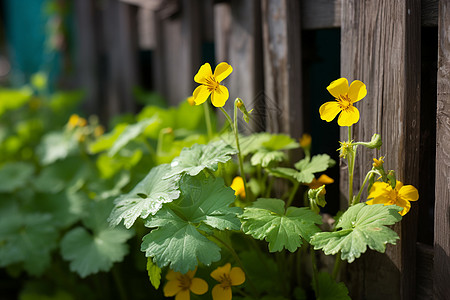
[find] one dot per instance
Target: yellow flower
(305, 140)
(345, 149)
(238, 186)
(345, 98)
(210, 84)
(382, 193)
(180, 285)
(317, 183)
(191, 101)
(378, 163)
(75, 120)
(99, 130)
(227, 277)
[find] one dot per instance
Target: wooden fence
(399, 48)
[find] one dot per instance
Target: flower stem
(351, 168)
(315, 271)
(337, 266)
(358, 197)
(236, 136)
(208, 120)
(292, 194)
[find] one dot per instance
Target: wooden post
(87, 54)
(282, 66)
(380, 45)
(178, 51)
(237, 28)
(442, 205)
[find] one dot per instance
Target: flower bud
(240, 104)
(317, 198)
(375, 142)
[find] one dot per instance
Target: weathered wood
(282, 66)
(424, 262)
(379, 47)
(119, 30)
(442, 202)
(178, 51)
(238, 42)
(430, 12)
(319, 14)
(87, 54)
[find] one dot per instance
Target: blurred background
(106, 60)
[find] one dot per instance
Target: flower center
(211, 83)
(393, 195)
(184, 282)
(344, 102)
(225, 281)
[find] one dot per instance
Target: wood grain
(237, 28)
(282, 66)
(442, 204)
(379, 46)
(178, 51)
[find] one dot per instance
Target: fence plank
(442, 204)
(237, 29)
(318, 14)
(87, 56)
(282, 66)
(379, 47)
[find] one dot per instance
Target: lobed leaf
(267, 219)
(361, 226)
(146, 198)
(193, 160)
(329, 289)
(177, 239)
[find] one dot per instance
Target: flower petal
(379, 190)
(201, 94)
(237, 276)
(203, 73)
(183, 295)
(338, 87)
(222, 71)
(408, 193)
(219, 96)
(357, 91)
(405, 204)
(172, 288)
(324, 179)
(398, 185)
(191, 273)
(172, 275)
(349, 116)
(219, 293)
(217, 273)
(198, 286)
(329, 110)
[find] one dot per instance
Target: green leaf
(330, 289)
(130, 133)
(146, 198)
(204, 203)
(361, 226)
(26, 238)
(90, 253)
(154, 273)
(318, 163)
(193, 160)
(266, 157)
(106, 141)
(55, 146)
(280, 142)
(13, 99)
(14, 175)
(267, 219)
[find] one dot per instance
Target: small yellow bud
(191, 101)
(378, 163)
(305, 140)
